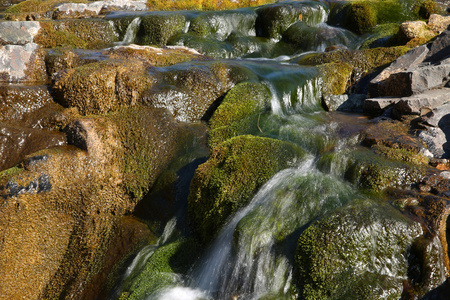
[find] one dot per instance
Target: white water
(130, 34)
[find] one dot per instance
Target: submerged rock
(232, 175)
(360, 250)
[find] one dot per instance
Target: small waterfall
(130, 34)
(247, 249)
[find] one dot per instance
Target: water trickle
(130, 34)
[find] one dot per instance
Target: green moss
(229, 179)
(158, 29)
(363, 61)
(76, 34)
(348, 253)
(161, 269)
(382, 36)
(401, 154)
(336, 77)
(238, 113)
(8, 173)
(429, 7)
(140, 155)
(361, 17)
(374, 172)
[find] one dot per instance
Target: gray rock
(376, 106)
(436, 116)
(18, 32)
(333, 102)
(439, 48)
(421, 79)
(435, 138)
(381, 85)
(17, 62)
(430, 99)
(354, 103)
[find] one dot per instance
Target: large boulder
(103, 86)
(232, 175)
(18, 33)
(365, 259)
(73, 199)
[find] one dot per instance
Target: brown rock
(438, 23)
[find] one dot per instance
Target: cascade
(130, 33)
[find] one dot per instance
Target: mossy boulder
(239, 112)
(34, 9)
(274, 19)
(61, 210)
(162, 269)
(317, 38)
(375, 172)
(92, 34)
(336, 77)
(102, 86)
(358, 251)
(363, 61)
(157, 29)
(361, 17)
(233, 174)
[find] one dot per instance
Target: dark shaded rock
(354, 103)
(439, 48)
(228, 180)
(333, 102)
(17, 142)
(366, 259)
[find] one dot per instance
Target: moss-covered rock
(72, 199)
(375, 172)
(158, 29)
(34, 9)
(274, 19)
(358, 251)
(336, 77)
(383, 35)
(361, 17)
(229, 179)
(362, 61)
(93, 34)
(392, 140)
(102, 86)
(238, 113)
(162, 269)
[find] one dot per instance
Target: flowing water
(252, 255)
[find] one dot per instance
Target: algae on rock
(239, 112)
(229, 179)
(359, 250)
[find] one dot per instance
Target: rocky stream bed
(224, 149)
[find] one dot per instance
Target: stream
(252, 257)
